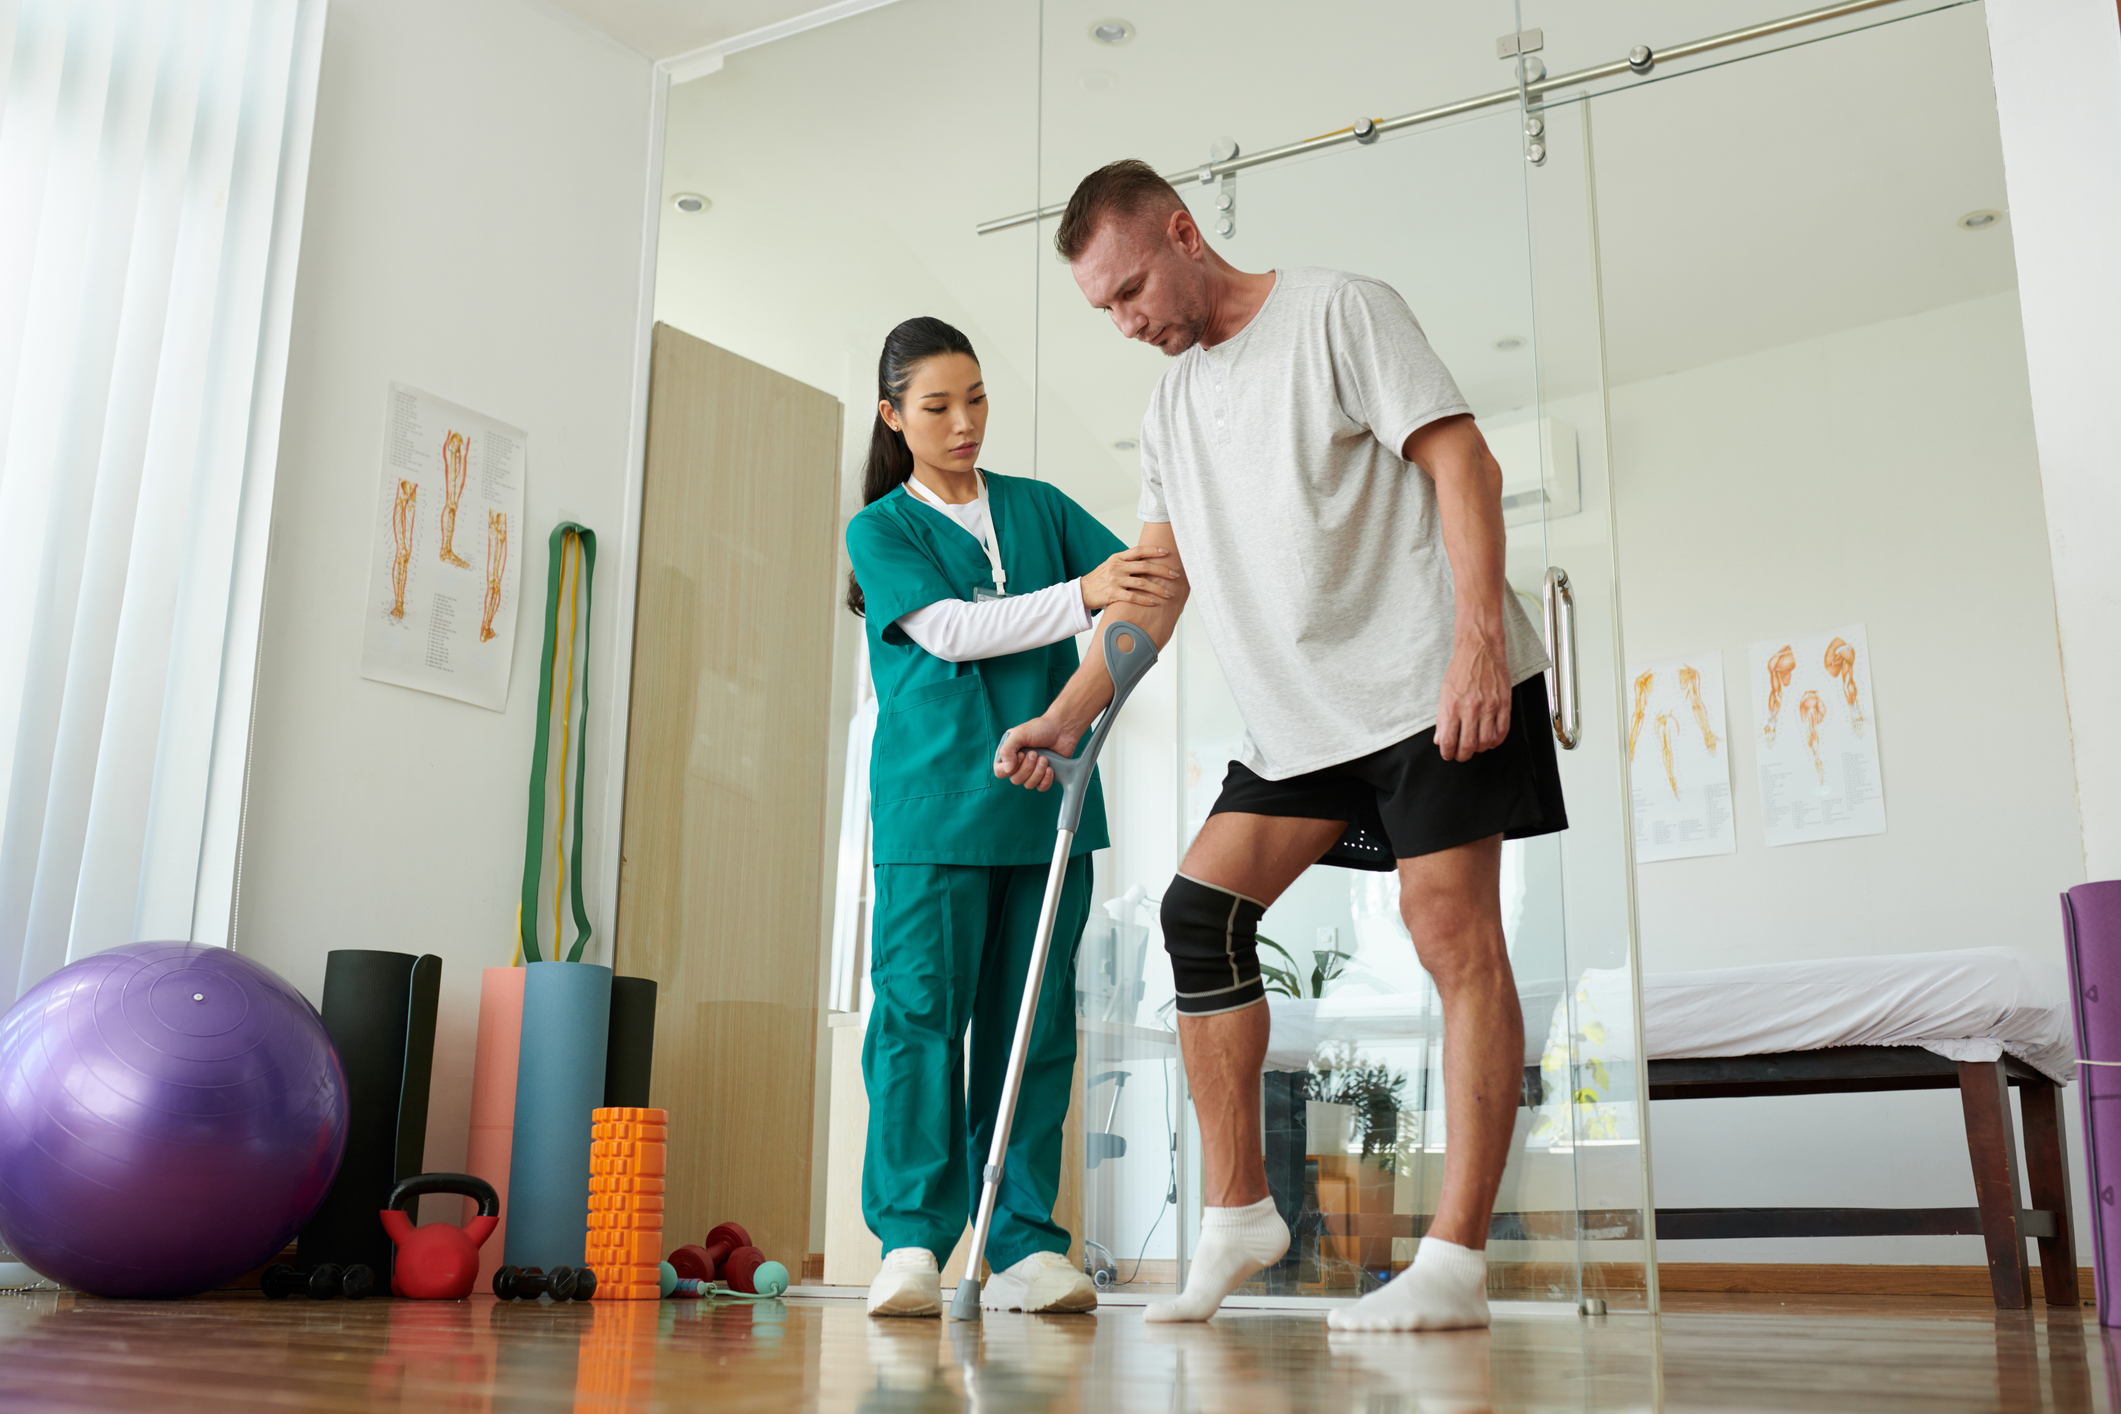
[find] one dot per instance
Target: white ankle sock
(1235, 1244)
(1445, 1289)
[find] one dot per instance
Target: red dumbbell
(702, 1263)
(739, 1268)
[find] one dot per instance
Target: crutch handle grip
(1129, 654)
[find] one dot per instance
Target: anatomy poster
(1816, 737)
(1679, 759)
(440, 614)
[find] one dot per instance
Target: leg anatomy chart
(1817, 736)
(1679, 759)
(441, 608)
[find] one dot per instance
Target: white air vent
(1538, 465)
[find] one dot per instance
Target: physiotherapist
(973, 587)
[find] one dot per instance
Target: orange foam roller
(620, 1274)
(626, 1156)
(634, 1113)
(624, 1183)
(638, 1222)
(626, 1149)
(649, 1133)
(493, 1101)
(625, 1202)
(639, 1291)
(620, 1248)
(622, 1169)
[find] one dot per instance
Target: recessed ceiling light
(1125, 444)
(1112, 31)
(690, 202)
(1509, 343)
(1979, 220)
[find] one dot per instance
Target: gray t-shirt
(1315, 552)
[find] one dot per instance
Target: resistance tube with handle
(1129, 654)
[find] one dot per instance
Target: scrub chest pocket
(947, 746)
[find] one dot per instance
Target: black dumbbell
(529, 1283)
(280, 1281)
(520, 1283)
(319, 1283)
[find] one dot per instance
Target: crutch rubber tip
(965, 1305)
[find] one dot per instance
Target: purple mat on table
(2091, 925)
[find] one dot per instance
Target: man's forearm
(1091, 688)
(1469, 507)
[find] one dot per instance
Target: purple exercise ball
(170, 1117)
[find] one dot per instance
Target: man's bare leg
(1257, 856)
(1451, 902)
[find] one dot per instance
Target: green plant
(1326, 965)
(1374, 1091)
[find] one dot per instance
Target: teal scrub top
(933, 794)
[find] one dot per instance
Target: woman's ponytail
(890, 462)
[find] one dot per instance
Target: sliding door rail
(1368, 130)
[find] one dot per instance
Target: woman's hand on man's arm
(1063, 723)
(1138, 575)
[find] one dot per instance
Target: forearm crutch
(1129, 654)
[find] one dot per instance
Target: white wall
(475, 229)
(1884, 475)
(2057, 66)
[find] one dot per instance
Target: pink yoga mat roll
(493, 1099)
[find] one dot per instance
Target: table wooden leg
(1985, 1094)
(2047, 1180)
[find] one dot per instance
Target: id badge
(981, 596)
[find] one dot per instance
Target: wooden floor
(1724, 1353)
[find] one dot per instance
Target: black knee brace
(1213, 938)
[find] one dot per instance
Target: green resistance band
(534, 844)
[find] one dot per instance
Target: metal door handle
(1560, 607)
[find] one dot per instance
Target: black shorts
(1406, 800)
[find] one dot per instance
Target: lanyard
(988, 539)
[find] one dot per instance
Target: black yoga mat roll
(380, 1010)
(630, 1054)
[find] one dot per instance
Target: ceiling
(1739, 207)
(664, 29)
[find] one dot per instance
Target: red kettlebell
(439, 1261)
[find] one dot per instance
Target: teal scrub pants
(949, 946)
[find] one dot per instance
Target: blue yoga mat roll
(559, 1080)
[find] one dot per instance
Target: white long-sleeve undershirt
(961, 631)
(958, 631)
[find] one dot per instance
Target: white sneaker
(1043, 1281)
(909, 1285)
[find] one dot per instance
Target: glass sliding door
(1593, 1088)
(1450, 215)
(1815, 368)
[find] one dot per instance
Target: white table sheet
(1969, 1004)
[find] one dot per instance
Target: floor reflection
(239, 1352)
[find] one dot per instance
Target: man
(1312, 471)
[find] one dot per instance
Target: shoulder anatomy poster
(1818, 737)
(441, 608)
(1679, 759)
